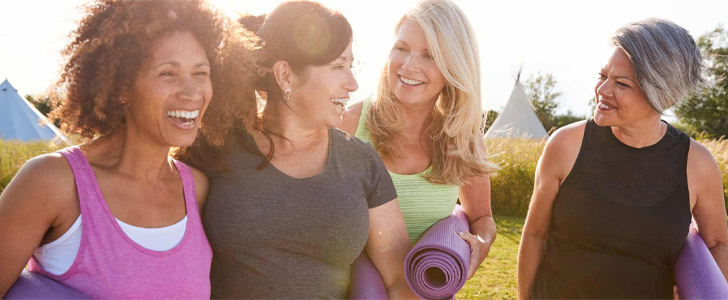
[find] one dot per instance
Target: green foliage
(13, 154)
(490, 117)
(541, 91)
(44, 104)
(512, 186)
(707, 111)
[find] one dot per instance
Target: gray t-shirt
(275, 236)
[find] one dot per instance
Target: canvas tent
(518, 118)
(20, 120)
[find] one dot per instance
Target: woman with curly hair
(116, 217)
(296, 200)
(426, 121)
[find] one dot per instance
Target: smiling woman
(615, 195)
(303, 198)
(116, 217)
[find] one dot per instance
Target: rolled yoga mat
(366, 283)
(437, 266)
(36, 286)
(697, 276)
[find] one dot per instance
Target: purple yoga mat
(696, 274)
(437, 266)
(36, 286)
(366, 283)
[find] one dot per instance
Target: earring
(287, 92)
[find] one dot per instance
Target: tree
(707, 111)
(44, 104)
(541, 91)
(490, 117)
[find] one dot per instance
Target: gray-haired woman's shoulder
(571, 134)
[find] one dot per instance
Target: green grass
(496, 277)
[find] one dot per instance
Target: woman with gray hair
(614, 195)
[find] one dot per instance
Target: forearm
(720, 255)
(484, 228)
(400, 290)
(530, 255)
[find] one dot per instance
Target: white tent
(518, 118)
(20, 120)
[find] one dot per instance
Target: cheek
(436, 76)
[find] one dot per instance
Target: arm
(704, 183)
(557, 160)
(475, 198)
(387, 247)
(36, 207)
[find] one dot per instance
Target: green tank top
(422, 202)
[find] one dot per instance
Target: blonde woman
(425, 124)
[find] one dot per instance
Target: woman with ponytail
(293, 201)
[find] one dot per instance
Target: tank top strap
(362, 131)
(188, 186)
(86, 185)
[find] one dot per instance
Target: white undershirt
(57, 257)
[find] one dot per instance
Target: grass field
(496, 277)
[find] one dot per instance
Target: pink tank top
(110, 265)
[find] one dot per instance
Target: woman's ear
(283, 73)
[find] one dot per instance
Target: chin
(602, 120)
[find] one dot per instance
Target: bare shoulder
(702, 169)
(350, 118)
(45, 183)
(699, 156)
(202, 186)
(568, 136)
(562, 149)
(46, 175)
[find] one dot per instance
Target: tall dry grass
(13, 154)
(512, 186)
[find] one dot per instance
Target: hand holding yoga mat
(696, 274)
(36, 286)
(437, 266)
(366, 283)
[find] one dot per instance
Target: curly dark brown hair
(114, 38)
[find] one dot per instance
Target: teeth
(603, 106)
(341, 101)
(183, 114)
(410, 81)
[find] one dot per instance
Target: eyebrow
(175, 63)
(621, 76)
(345, 58)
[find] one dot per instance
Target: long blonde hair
(457, 117)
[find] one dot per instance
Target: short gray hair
(666, 60)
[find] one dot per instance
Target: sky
(569, 39)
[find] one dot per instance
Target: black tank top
(619, 220)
